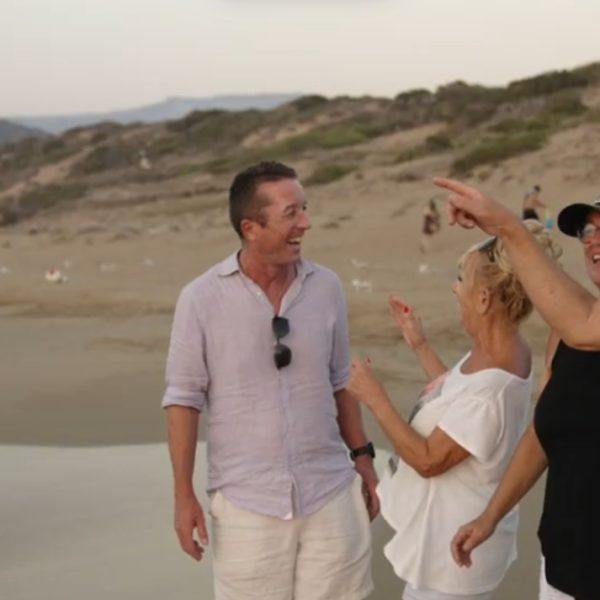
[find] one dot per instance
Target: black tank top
(567, 423)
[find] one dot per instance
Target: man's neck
(266, 275)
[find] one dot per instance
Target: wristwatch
(368, 450)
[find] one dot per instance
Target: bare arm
(526, 467)
(412, 331)
(183, 436)
(352, 432)
(429, 456)
(565, 305)
(430, 361)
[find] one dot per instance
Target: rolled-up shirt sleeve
(339, 364)
(186, 373)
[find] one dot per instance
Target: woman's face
(591, 249)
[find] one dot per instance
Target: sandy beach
(86, 504)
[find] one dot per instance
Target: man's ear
(249, 229)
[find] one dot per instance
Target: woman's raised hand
(408, 322)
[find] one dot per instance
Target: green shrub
(593, 116)
(438, 142)
(327, 173)
(564, 104)
(464, 104)
(97, 137)
(194, 118)
(214, 129)
(413, 96)
(189, 169)
(324, 138)
(167, 144)
(106, 156)
(307, 103)
(433, 144)
(39, 199)
(500, 148)
(545, 84)
(410, 154)
(590, 73)
(406, 178)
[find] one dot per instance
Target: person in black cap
(563, 436)
(577, 219)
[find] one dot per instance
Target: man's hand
(364, 467)
(468, 537)
(189, 516)
(470, 208)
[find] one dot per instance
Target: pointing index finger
(456, 186)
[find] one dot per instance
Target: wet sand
(95, 523)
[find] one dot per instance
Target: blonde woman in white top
(461, 434)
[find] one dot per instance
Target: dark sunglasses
(282, 354)
(488, 247)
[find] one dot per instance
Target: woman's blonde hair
(496, 272)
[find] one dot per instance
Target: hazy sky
(61, 56)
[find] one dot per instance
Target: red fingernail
(406, 309)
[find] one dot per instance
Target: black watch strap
(367, 450)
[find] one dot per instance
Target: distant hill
(171, 108)
(13, 132)
(460, 129)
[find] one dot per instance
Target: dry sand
(85, 509)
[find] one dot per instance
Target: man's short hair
(244, 202)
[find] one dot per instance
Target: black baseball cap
(572, 218)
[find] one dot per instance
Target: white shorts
(325, 556)
(410, 593)
(547, 592)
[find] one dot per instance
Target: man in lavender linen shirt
(259, 347)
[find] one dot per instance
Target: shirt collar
(230, 266)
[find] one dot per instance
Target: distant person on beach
(563, 438)
(431, 225)
(259, 346)
(531, 203)
(458, 440)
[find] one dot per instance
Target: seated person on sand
(455, 446)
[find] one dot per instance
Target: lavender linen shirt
(273, 441)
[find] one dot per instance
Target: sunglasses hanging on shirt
(282, 355)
